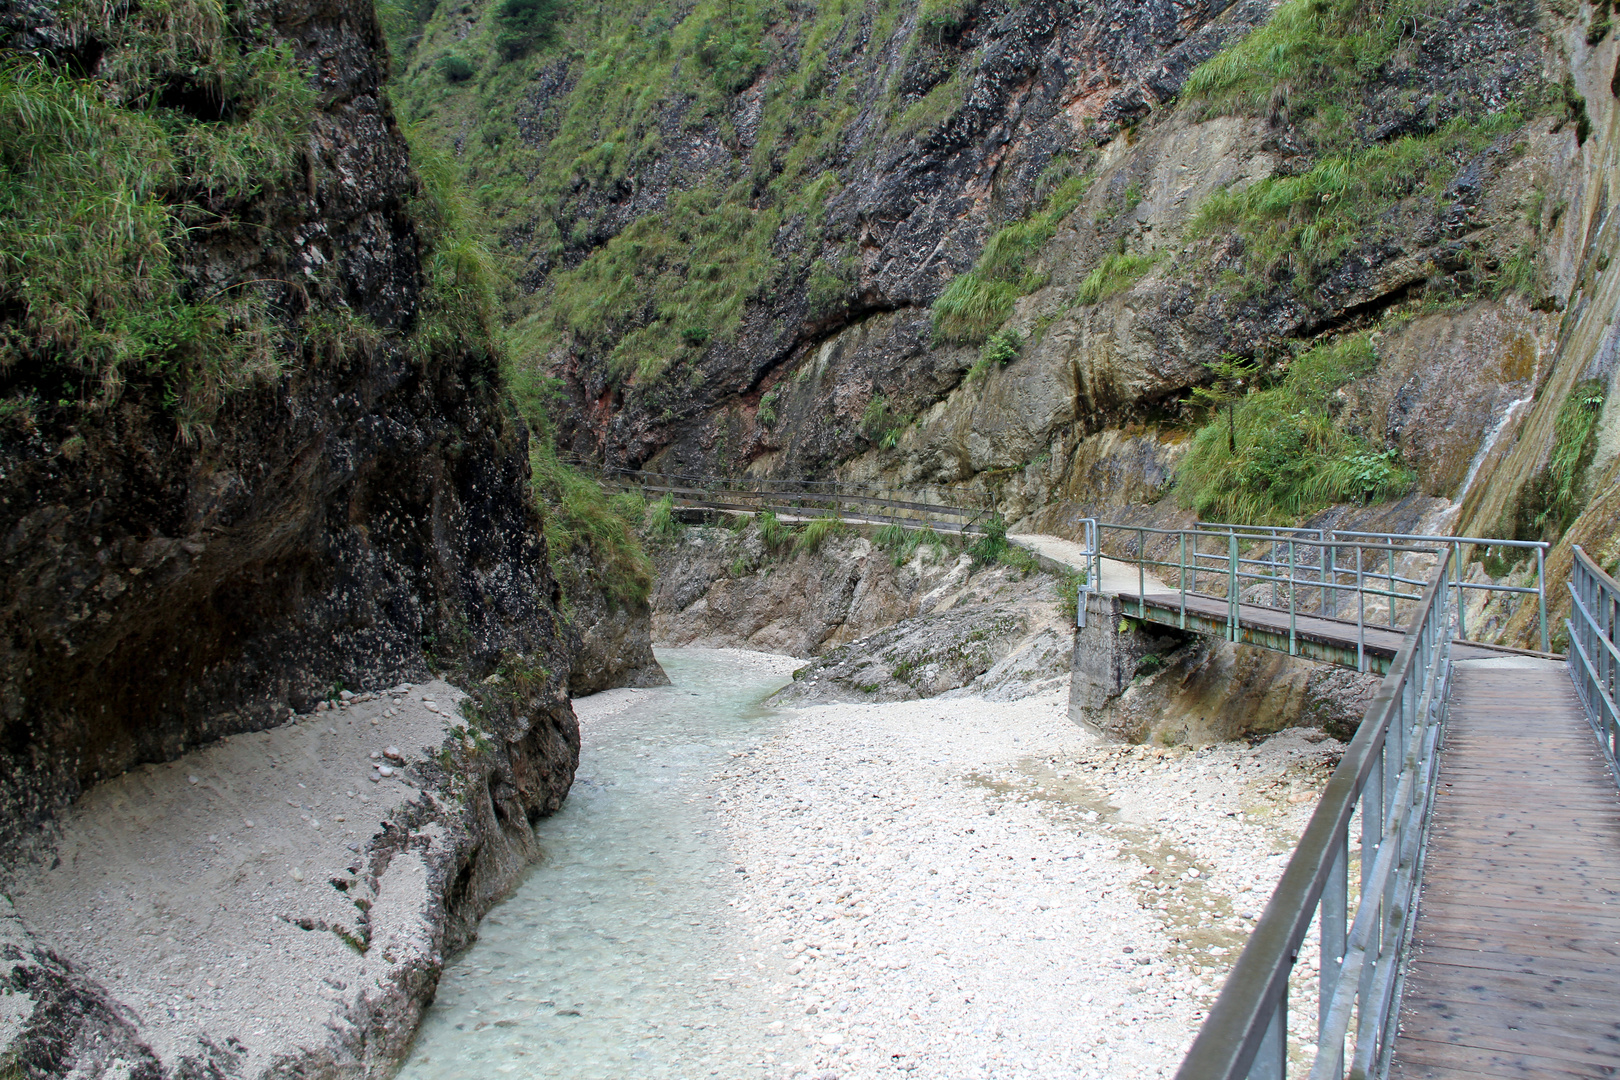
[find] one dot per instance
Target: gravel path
(973, 889)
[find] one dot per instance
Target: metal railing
(1389, 770)
(1331, 573)
(1594, 658)
(860, 502)
(1288, 577)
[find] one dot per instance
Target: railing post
(1462, 604)
(1141, 574)
(1181, 574)
(1271, 1063)
(1334, 923)
(1361, 617)
(1293, 641)
(1330, 574)
(1232, 597)
(1391, 544)
(1541, 593)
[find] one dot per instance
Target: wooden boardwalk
(1515, 963)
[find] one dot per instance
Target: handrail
(1594, 657)
(1274, 533)
(1228, 567)
(1389, 769)
(751, 494)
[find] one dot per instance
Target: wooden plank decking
(1515, 964)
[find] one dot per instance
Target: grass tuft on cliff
(1276, 454)
(102, 180)
(977, 303)
(1306, 69)
(581, 519)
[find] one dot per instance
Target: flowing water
(615, 959)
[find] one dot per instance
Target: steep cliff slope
(253, 438)
(255, 450)
(1032, 250)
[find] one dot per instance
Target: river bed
(945, 887)
(602, 963)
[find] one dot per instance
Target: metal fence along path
(1462, 868)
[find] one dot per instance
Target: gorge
(318, 321)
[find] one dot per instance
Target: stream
(614, 958)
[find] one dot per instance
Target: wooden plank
(1516, 948)
(1536, 993)
(1509, 1030)
(1519, 963)
(1417, 1049)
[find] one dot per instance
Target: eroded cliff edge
(255, 449)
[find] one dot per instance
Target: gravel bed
(974, 889)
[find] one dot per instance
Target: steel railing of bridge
(1289, 579)
(1381, 547)
(1298, 563)
(750, 494)
(1594, 658)
(1388, 770)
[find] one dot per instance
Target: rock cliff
(255, 450)
(1021, 250)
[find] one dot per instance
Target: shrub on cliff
(1276, 453)
(525, 25)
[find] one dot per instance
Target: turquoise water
(604, 963)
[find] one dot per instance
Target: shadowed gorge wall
(287, 467)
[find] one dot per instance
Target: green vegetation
(1070, 586)
(463, 313)
(772, 532)
(992, 545)
(643, 79)
(767, 408)
(525, 25)
(816, 531)
(1003, 347)
(1019, 559)
(580, 517)
(1307, 65)
(902, 543)
(1114, 274)
(1310, 59)
(938, 19)
(881, 425)
(978, 302)
(455, 68)
(101, 182)
(659, 522)
(1552, 499)
(1306, 222)
(1276, 454)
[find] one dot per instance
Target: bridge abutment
(1110, 649)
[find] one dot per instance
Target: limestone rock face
(614, 646)
(723, 589)
(331, 528)
(358, 516)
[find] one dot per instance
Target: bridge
(1461, 872)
